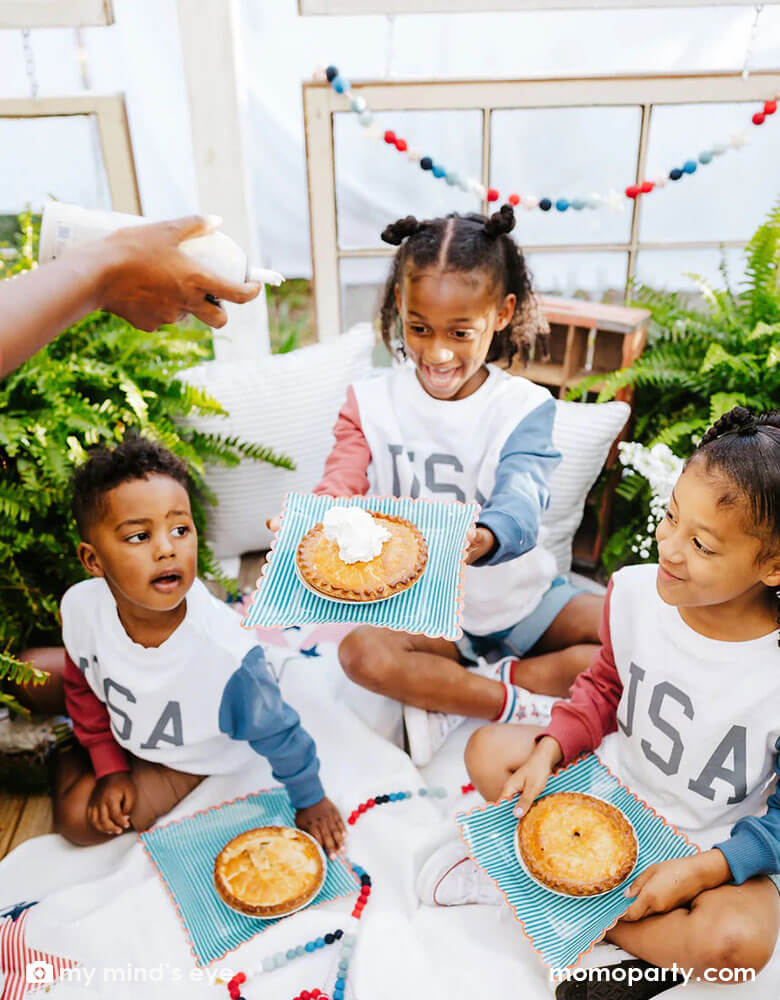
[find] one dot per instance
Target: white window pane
(672, 270)
(723, 200)
(58, 157)
(362, 283)
(375, 184)
(595, 276)
(566, 153)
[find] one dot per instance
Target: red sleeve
(346, 468)
(91, 723)
(582, 722)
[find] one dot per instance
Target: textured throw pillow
(583, 433)
(288, 402)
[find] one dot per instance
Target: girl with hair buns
(681, 703)
(449, 423)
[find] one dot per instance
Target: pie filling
(268, 870)
(400, 563)
(577, 844)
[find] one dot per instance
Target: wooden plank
(10, 810)
(35, 820)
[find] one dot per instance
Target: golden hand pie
(269, 871)
(577, 844)
(400, 563)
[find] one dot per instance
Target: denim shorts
(518, 639)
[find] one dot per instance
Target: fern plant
(704, 357)
(93, 383)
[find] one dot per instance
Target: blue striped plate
(562, 928)
(183, 853)
(432, 606)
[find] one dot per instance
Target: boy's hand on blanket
(669, 884)
(111, 803)
(274, 523)
(323, 821)
(481, 541)
(531, 778)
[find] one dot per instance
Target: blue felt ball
(675, 174)
(705, 157)
(339, 984)
(300, 950)
(338, 994)
(578, 204)
(426, 163)
(291, 954)
(545, 204)
(689, 166)
(439, 171)
(452, 177)
(310, 946)
(339, 84)
(331, 73)
(320, 942)
(365, 118)
(268, 964)
(561, 204)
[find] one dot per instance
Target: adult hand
(148, 281)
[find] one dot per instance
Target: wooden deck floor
(23, 817)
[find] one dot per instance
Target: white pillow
(288, 402)
(583, 433)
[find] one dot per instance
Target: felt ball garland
(561, 204)
(346, 938)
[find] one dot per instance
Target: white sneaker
(520, 705)
(427, 731)
(450, 878)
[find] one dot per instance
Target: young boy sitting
(162, 684)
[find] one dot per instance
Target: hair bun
(501, 222)
(398, 231)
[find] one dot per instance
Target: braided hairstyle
(468, 243)
(745, 447)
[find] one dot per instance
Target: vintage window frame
(365, 7)
(56, 13)
(115, 142)
(321, 103)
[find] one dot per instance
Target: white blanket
(105, 906)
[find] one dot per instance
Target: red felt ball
(632, 191)
(239, 978)
(234, 992)
(315, 993)
(371, 803)
(647, 187)
(492, 194)
(356, 913)
(758, 118)
(362, 807)
(400, 145)
(770, 107)
(365, 890)
(390, 138)
(514, 199)
(352, 819)
(305, 995)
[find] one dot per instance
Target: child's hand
(481, 541)
(274, 523)
(111, 803)
(531, 778)
(673, 883)
(323, 821)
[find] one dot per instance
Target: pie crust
(269, 871)
(400, 563)
(577, 844)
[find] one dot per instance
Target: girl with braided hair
(682, 705)
(448, 423)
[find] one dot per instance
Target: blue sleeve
(514, 509)
(253, 709)
(754, 845)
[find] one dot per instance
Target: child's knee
(734, 940)
(480, 752)
(363, 657)
(69, 820)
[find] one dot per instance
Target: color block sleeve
(582, 722)
(252, 709)
(91, 723)
(513, 511)
(754, 845)
(346, 467)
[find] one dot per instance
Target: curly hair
(107, 468)
(744, 446)
(468, 243)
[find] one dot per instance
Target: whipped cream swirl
(359, 536)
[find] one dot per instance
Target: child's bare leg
(493, 753)
(157, 790)
(731, 927)
(564, 651)
(419, 671)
